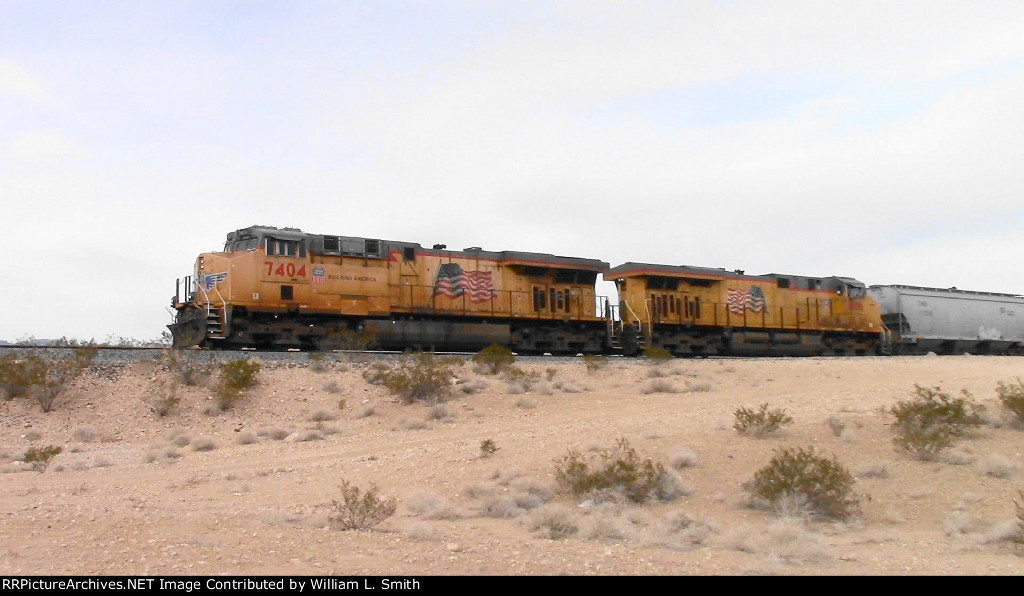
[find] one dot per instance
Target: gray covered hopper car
(951, 321)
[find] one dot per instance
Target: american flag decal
(452, 281)
(752, 299)
(318, 276)
(213, 279)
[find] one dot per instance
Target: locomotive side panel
(284, 288)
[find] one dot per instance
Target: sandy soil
(193, 493)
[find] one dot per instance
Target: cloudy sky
(876, 140)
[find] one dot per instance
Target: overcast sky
(875, 140)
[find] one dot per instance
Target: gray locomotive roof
(921, 290)
(515, 257)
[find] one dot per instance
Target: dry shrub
(274, 434)
(932, 421)
(874, 470)
(682, 457)
(998, 466)
(1011, 396)
(615, 472)
(163, 396)
(519, 380)
(85, 434)
(595, 363)
(525, 404)
(822, 483)
(554, 521)
(761, 422)
(203, 444)
(441, 412)
(1018, 535)
(472, 386)
(322, 415)
(358, 510)
(419, 376)
(660, 386)
(187, 366)
(309, 435)
(432, 506)
(836, 424)
(699, 387)
(246, 438)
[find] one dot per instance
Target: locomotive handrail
(647, 311)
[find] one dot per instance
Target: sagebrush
(795, 474)
(39, 457)
(236, 377)
(616, 471)
(933, 420)
(358, 510)
(1011, 396)
(760, 422)
(493, 359)
(417, 376)
(45, 376)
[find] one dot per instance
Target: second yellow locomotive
(702, 311)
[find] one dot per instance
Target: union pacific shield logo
(213, 279)
(452, 281)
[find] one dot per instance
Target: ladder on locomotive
(214, 314)
(616, 327)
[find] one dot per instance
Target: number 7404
(285, 269)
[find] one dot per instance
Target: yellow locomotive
(283, 288)
(703, 311)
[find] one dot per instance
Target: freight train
(281, 288)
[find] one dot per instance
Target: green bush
(933, 420)
(45, 377)
(419, 376)
(657, 355)
(358, 510)
(1011, 395)
(18, 376)
(761, 422)
(823, 484)
(39, 457)
(488, 448)
(235, 378)
(493, 359)
(617, 471)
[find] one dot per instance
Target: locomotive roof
(686, 271)
(386, 247)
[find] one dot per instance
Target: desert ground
(249, 490)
